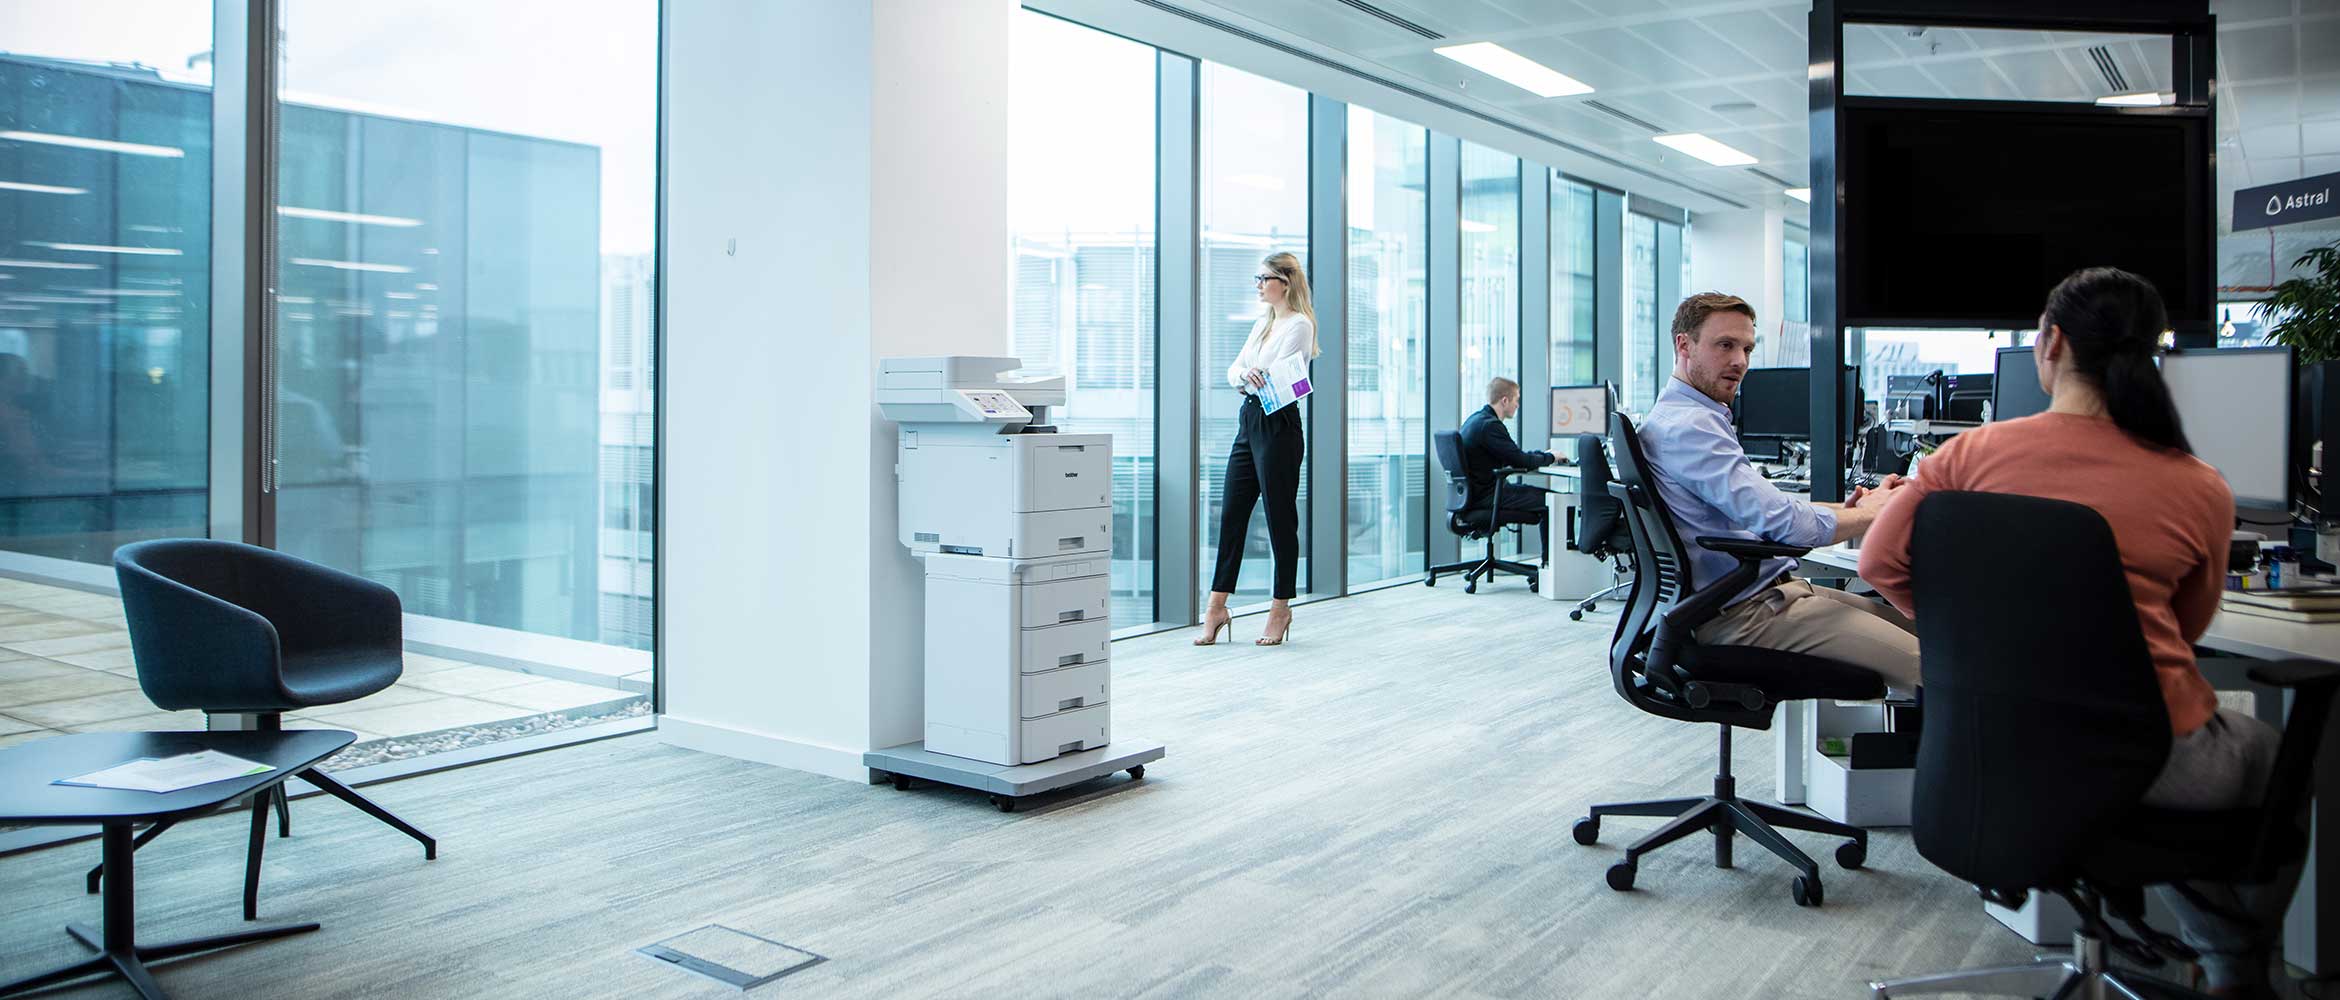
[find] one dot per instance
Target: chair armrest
(193, 650)
(2296, 673)
(1749, 548)
(314, 607)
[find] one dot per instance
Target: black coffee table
(28, 797)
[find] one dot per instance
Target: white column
(1738, 253)
(836, 193)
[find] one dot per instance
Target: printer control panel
(994, 406)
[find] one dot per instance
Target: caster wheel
(1005, 804)
(1807, 891)
(1621, 876)
(1576, 616)
(1432, 582)
(1852, 855)
(1138, 773)
(1587, 830)
(901, 783)
(1471, 588)
(1533, 584)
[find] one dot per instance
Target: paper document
(1287, 383)
(170, 774)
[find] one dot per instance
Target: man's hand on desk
(1863, 497)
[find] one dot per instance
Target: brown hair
(1693, 311)
(1500, 388)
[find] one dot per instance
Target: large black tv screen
(1967, 216)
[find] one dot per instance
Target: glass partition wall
(455, 365)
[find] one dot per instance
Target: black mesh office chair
(1660, 667)
(2045, 723)
(1474, 522)
(1600, 522)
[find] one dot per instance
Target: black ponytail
(2112, 321)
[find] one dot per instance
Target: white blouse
(1292, 335)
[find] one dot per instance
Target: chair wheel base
(1587, 831)
(1621, 876)
(1807, 891)
(1852, 854)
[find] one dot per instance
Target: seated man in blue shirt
(1487, 446)
(1707, 482)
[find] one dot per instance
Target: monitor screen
(1967, 216)
(1775, 402)
(1579, 409)
(2235, 406)
(2015, 390)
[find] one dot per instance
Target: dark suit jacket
(1488, 446)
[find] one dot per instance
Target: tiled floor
(65, 667)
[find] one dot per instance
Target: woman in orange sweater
(2111, 440)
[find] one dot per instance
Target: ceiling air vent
(1623, 117)
(1385, 16)
(1781, 181)
(2111, 70)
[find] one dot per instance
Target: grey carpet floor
(1379, 809)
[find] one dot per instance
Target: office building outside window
(1388, 184)
(1254, 201)
(1572, 282)
(105, 278)
(1081, 217)
(1649, 355)
(1489, 295)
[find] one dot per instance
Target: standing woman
(1267, 452)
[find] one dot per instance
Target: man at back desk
(1487, 446)
(1712, 489)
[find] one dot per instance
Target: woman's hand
(1256, 378)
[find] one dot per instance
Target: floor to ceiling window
(1388, 186)
(1648, 356)
(105, 275)
(1253, 147)
(1081, 218)
(464, 387)
(1572, 282)
(1489, 292)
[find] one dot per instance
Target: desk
(28, 796)
(2311, 929)
(1566, 580)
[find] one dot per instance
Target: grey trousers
(1796, 617)
(2225, 765)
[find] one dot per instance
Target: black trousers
(1264, 462)
(1523, 504)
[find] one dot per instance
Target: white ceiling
(1735, 70)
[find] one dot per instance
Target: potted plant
(2306, 309)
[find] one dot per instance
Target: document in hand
(1287, 382)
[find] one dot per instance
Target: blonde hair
(1287, 267)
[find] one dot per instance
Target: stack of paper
(170, 774)
(1287, 383)
(2291, 604)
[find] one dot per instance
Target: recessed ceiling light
(1514, 69)
(51, 265)
(2146, 99)
(1801, 194)
(40, 188)
(1698, 145)
(353, 218)
(102, 248)
(101, 145)
(353, 265)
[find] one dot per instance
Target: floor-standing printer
(1014, 523)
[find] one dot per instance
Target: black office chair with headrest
(1600, 521)
(2046, 723)
(1483, 520)
(1660, 667)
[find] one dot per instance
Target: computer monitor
(1775, 402)
(1580, 409)
(2235, 405)
(2015, 389)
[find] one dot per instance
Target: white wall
(1738, 253)
(939, 271)
(766, 471)
(856, 151)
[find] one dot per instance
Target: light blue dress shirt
(1707, 482)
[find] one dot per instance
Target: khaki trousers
(1796, 617)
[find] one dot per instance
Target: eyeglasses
(1261, 279)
